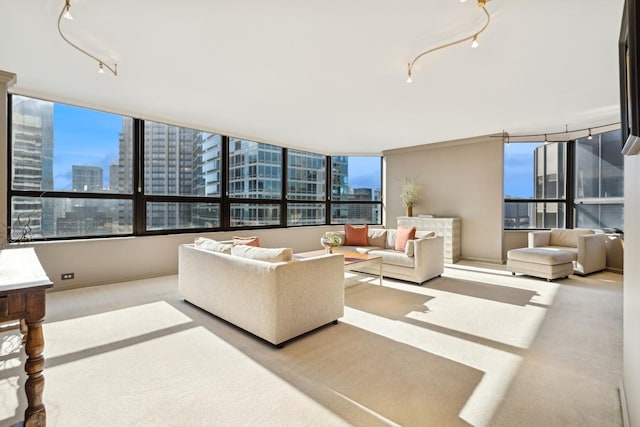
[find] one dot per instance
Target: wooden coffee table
(352, 260)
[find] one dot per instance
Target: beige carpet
(475, 347)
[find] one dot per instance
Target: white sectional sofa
(276, 300)
(421, 260)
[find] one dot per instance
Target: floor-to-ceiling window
(564, 184)
(356, 190)
(77, 173)
(69, 175)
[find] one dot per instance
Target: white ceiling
(326, 75)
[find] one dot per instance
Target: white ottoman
(546, 263)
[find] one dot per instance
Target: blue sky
(364, 172)
(83, 137)
(90, 138)
(518, 169)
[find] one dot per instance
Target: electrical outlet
(67, 276)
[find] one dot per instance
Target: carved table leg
(35, 415)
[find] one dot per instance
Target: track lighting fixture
(66, 13)
(566, 135)
(473, 37)
(475, 43)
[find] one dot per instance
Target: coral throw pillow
(249, 241)
(356, 235)
(404, 235)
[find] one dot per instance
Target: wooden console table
(23, 285)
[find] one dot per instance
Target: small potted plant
(409, 194)
(330, 240)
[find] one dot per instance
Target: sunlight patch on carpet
(96, 330)
(500, 367)
(177, 377)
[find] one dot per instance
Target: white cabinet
(448, 228)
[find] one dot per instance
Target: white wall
(99, 261)
(460, 179)
(631, 341)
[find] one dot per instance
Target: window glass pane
(552, 170)
(64, 148)
(46, 217)
(255, 170)
(181, 161)
(254, 214)
(306, 176)
(306, 214)
(599, 166)
(356, 213)
(612, 174)
(356, 178)
(518, 215)
(519, 166)
(182, 215)
(600, 216)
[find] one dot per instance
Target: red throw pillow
(249, 241)
(404, 235)
(356, 235)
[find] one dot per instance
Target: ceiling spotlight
(546, 141)
(67, 11)
(474, 37)
(590, 137)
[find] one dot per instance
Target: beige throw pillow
(377, 237)
(212, 245)
(263, 254)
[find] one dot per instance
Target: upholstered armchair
(588, 247)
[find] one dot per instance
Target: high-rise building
(207, 178)
(255, 172)
(168, 160)
(86, 178)
(549, 178)
(306, 181)
(32, 165)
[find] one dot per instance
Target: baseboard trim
(623, 404)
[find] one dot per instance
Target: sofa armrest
(539, 238)
(429, 257)
(592, 253)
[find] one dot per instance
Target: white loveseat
(276, 301)
(421, 260)
(587, 247)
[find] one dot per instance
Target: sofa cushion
(544, 256)
(249, 241)
(391, 238)
(404, 234)
(377, 237)
(212, 245)
(263, 254)
(356, 235)
(392, 257)
(567, 237)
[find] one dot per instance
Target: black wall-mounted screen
(628, 61)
